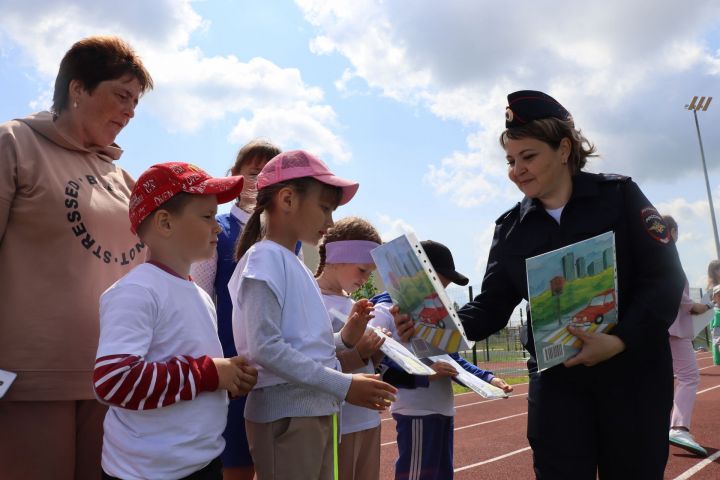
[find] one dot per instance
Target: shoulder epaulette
(613, 177)
(507, 214)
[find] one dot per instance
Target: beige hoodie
(64, 238)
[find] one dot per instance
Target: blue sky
(406, 97)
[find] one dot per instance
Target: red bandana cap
(161, 182)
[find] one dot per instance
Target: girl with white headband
(345, 265)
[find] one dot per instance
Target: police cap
(527, 105)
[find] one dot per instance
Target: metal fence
(503, 353)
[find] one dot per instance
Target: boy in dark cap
(424, 409)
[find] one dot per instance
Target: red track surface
(490, 438)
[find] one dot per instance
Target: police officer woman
(606, 411)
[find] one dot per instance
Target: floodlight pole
(695, 107)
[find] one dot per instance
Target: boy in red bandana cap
(159, 363)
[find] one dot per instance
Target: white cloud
(191, 89)
(624, 69)
(465, 177)
(295, 126)
(391, 228)
(481, 244)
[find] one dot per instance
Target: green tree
(367, 290)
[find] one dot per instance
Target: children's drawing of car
(596, 309)
(432, 311)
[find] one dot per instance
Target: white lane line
(519, 395)
(707, 389)
(490, 421)
(490, 460)
(514, 395)
(683, 476)
(473, 425)
(704, 463)
(692, 471)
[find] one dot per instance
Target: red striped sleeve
(128, 381)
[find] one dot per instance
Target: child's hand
(369, 344)
(370, 392)
(403, 324)
(500, 383)
(442, 369)
(235, 375)
(358, 319)
(249, 378)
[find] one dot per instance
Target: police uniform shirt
(650, 277)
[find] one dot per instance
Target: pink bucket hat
(298, 164)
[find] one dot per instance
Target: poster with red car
(577, 285)
(413, 285)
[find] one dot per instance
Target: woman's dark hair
(93, 60)
(552, 131)
(253, 231)
(713, 274)
(349, 228)
(258, 148)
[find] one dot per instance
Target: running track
(490, 438)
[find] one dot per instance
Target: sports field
(490, 438)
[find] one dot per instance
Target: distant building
(580, 267)
(598, 266)
(595, 268)
(568, 266)
(409, 263)
(608, 258)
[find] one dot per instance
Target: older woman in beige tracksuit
(64, 238)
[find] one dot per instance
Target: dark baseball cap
(442, 261)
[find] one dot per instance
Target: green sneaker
(684, 440)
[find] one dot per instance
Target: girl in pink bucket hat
(280, 323)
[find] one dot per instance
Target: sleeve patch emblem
(654, 225)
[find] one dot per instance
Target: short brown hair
(175, 205)
(93, 60)
(713, 274)
(257, 148)
(552, 131)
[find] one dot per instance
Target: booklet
(415, 288)
(7, 378)
(577, 285)
(702, 320)
(469, 380)
(394, 350)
